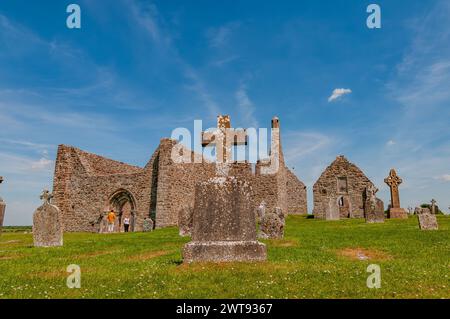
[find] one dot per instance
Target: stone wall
(296, 195)
(339, 192)
(84, 183)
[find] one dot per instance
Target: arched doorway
(124, 205)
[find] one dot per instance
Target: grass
(316, 259)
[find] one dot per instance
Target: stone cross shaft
(393, 181)
(46, 196)
(433, 206)
(224, 138)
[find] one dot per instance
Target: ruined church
(86, 186)
(340, 192)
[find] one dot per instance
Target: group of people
(111, 218)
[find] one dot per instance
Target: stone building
(340, 191)
(86, 186)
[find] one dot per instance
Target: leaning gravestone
(272, 225)
(2, 209)
(224, 226)
(373, 206)
(427, 220)
(185, 217)
(47, 224)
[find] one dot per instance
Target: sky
(136, 70)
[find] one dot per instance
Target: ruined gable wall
(83, 183)
(326, 193)
(296, 195)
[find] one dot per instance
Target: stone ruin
(272, 225)
(86, 186)
(340, 192)
(427, 220)
(393, 181)
(2, 208)
(47, 224)
(373, 206)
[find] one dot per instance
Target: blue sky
(138, 69)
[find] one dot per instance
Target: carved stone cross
(393, 180)
(224, 138)
(46, 196)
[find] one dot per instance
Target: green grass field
(317, 259)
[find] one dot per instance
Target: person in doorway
(111, 219)
(126, 223)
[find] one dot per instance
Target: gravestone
(272, 225)
(185, 218)
(2, 208)
(47, 224)
(427, 220)
(147, 226)
(260, 211)
(224, 226)
(224, 219)
(373, 206)
(393, 181)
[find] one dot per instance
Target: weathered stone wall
(296, 195)
(327, 194)
(176, 183)
(84, 183)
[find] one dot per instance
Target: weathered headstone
(272, 225)
(47, 224)
(427, 220)
(224, 221)
(373, 206)
(393, 181)
(147, 225)
(2, 209)
(185, 218)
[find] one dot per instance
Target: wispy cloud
(220, 37)
(338, 93)
(246, 107)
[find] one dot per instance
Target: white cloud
(445, 177)
(390, 143)
(42, 164)
(337, 93)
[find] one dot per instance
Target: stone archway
(124, 205)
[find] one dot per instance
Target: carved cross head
(433, 202)
(46, 196)
(393, 180)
